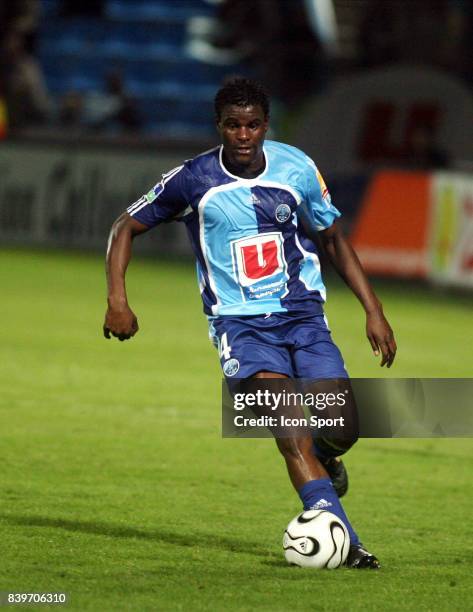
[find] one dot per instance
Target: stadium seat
(168, 68)
(74, 72)
(154, 10)
(146, 41)
(141, 41)
(72, 35)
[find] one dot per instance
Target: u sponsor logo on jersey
(259, 257)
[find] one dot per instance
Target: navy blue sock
(320, 495)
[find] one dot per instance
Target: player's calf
(337, 473)
(327, 451)
(301, 463)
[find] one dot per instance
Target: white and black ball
(316, 538)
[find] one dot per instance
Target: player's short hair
(241, 92)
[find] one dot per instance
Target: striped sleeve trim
(151, 196)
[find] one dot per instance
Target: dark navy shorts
(299, 346)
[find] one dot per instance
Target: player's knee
(334, 447)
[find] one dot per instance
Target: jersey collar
(240, 178)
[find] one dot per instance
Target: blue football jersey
(253, 254)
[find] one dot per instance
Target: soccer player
(250, 206)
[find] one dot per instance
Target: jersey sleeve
(317, 207)
(165, 201)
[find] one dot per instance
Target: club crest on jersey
(282, 213)
(231, 367)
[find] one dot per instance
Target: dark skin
(242, 131)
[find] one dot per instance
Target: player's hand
(120, 322)
(381, 337)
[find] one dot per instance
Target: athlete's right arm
(120, 320)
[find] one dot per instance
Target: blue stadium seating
(73, 36)
(146, 41)
(155, 10)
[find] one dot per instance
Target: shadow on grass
(207, 540)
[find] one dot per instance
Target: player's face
(242, 130)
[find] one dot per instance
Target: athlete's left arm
(345, 261)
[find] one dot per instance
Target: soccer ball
(316, 538)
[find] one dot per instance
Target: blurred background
(99, 97)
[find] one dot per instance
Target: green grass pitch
(117, 487)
